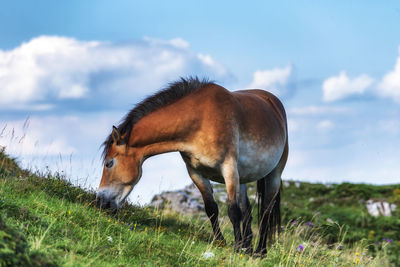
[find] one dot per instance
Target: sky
(70, 70)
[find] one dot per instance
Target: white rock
(376, 208)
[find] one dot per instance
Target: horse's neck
(162, 131)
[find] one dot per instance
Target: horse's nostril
(103, 202)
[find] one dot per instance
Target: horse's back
(267, 97)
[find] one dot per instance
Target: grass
(46, 221)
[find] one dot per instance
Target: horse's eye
(109, 163)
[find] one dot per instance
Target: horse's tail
(269, 210)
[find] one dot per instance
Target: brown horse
(227, 137)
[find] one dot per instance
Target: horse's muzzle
(105, 200)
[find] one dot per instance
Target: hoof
(260, 253)
(220, 242)
(248, 250)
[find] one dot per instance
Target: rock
(376, 208)
(186, 201)
(223, 198)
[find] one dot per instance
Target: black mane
(173, 92)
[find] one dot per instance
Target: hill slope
(44, 220)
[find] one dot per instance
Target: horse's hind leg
(269, 213)
(231, 177)
(269, 195)
(247, 218)
(211, 207)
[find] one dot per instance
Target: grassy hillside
(47, 221)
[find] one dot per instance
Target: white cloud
(325, 125)
(318, 110)
(341, 86)
(53, 68)
(390, 83)
(176, 42)
(275, 80)
(207, 60)
(38, 136)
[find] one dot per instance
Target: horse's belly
(256, 161)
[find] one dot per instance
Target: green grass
(44, 220)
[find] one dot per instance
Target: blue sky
(75, 68)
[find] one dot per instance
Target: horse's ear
(116, 136)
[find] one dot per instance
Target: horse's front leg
(231, 177)
(210, 205)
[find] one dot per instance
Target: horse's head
(121, 172)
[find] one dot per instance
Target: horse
(226, 137)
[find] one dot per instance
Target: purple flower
(389, 240)
(377, 243)
(294, 222)
(309, 224)
(300, 248)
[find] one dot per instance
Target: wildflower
(300, 248)
(241, 255)
(145, 229)
(339, 247)
(329, 220)
(309, 224)
(357, 261)
(69, 212)
(377, 243)
(179, 229)
(208, 254)
(109, 220)
(109, 238)
(294, 222)
(371, 234)
(388, 240)
(357, 254)
(192, 242)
